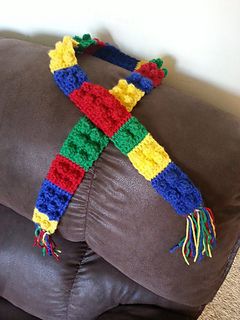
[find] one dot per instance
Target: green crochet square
(84, 143)
(84, 42)
(129, 135)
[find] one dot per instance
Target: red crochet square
(65, 174)
(92, 49)
(102, 108)
(150, 70)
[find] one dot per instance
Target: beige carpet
(226, 304)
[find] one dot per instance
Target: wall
(199, 40)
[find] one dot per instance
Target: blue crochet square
(70, 79)
(176, 188)
(115, 56)
(52, 200)
(140, 82)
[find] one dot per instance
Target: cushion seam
(74, 280)
(88, 200)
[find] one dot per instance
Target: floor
(226, 304)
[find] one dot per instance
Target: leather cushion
(125, 312)
(81, 286)
(115, 210)
(138, 312)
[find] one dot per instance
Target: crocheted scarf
(107, 117)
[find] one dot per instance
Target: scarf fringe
(200, 238)
(44, 241)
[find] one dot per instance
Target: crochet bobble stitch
(109, 111)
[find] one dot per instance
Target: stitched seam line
(74, 280)
(82, 257)
(88, 199)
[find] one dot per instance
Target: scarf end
(44, 241)
(200, 237)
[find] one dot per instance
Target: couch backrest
(115, 210)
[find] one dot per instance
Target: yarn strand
(200, 236)
(44, 241)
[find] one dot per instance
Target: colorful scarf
(108, 118)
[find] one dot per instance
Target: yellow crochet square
(44, 222)
(149, 158)
(127, 94)
(63, 56)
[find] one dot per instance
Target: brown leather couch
(116, 233)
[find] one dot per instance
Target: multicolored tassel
(200, 236)
(44, 241)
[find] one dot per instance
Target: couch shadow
(201, 89)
